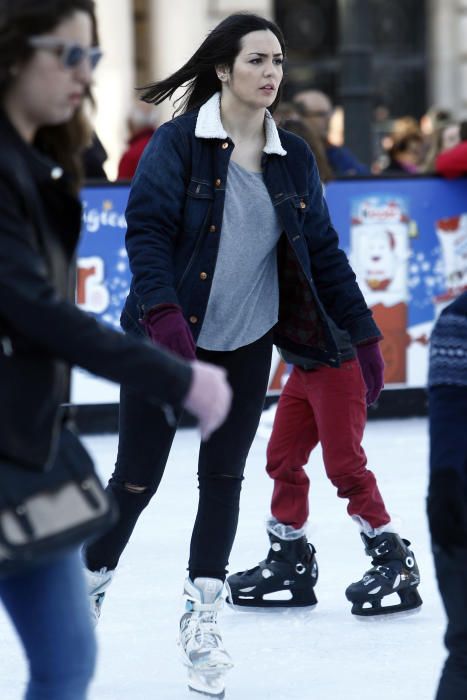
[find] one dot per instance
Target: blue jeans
(49, 608)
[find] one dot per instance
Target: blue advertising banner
(406, 240)
(103, 276)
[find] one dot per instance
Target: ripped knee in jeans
(134, 488)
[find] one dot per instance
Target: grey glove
(209, 397)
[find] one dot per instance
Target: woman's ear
(222, 73)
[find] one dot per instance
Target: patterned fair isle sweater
(448, 346)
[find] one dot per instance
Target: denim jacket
(174, 217)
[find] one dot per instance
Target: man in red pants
(328, 405)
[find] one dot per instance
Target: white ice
(325, 654)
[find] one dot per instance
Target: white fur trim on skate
(369, 531)
(284, 532)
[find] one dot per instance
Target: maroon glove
(372, 366)
(165, 325)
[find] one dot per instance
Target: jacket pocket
(198, 200)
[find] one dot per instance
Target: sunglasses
(70, 55)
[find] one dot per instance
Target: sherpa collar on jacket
(209, 126)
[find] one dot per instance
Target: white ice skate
(97, 583)
(201, 643)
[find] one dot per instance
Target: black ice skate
(285, 579)
(394, 570)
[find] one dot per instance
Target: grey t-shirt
(244, 300)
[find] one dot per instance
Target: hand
(209, 397)
(372, 366)
(165, 325)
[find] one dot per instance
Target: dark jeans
(447, 515)
(144, 446)
(451, 572)
(49, 608)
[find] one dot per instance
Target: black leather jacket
(42, 333)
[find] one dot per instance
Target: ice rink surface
(325, 654)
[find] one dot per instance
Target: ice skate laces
(200, 635)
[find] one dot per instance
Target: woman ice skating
(231, 249)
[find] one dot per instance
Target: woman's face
(44, 90)
(257, 71)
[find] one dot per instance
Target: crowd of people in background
(200, 320)
(434, 144)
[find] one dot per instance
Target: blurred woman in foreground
(47, 53)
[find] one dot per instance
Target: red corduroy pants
(324, 405)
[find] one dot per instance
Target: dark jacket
(42, 333)
(174, 218)
(344, 163)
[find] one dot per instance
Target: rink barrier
(406, 240)
(94, 419)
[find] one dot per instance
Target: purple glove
(165, 325)
(372, 366)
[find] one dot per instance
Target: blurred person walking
(141, 126)
(444, 138)
(447, 492)
(452, 162)
(231, 247)
(315, 108)
(405, 155)
(295, 125)
(48, 50)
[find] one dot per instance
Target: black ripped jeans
(144, 445)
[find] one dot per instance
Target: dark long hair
(20, 19)
(220, 48)
(296, 126)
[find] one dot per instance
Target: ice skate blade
(278, 608)
(410, 602)
(384, 617)
(206, 695)
(377, 613)
(277, 603)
